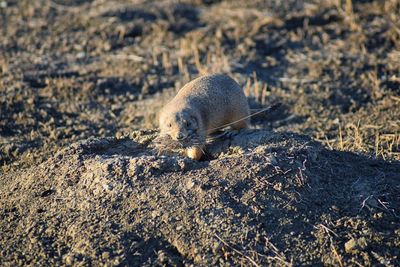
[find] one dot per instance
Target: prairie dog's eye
(169, 125)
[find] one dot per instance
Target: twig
(237, 251)
(383, 204)
(338, 258)
(270, 108)
(364, 203)
(280, 256)
(132, 57)
(327, 230)
(63, 7)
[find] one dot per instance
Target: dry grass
(334, 65)
(256, 90)
(345, 8)
(3, 65)
(363, 135)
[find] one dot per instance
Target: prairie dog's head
(180, 125)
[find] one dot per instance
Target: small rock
(378, 215)
(107, 187)
(155, 214)
(350, 245)
(335, 208)
(216, 247)
(189, 184)
(161, 256)
(362, 242)
(354, 245)
(105, 255)
(69, 260)
(278, 186)
(81, 55)
(183, 164)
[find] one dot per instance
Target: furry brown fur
(201, 107)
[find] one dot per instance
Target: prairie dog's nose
(180, 136)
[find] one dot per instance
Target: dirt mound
(262, 198)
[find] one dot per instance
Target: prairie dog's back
(212, 100)
(217, 96)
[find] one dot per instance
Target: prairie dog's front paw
(194, 152)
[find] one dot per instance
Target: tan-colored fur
(201, 107)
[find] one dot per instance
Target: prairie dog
(201, 107)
